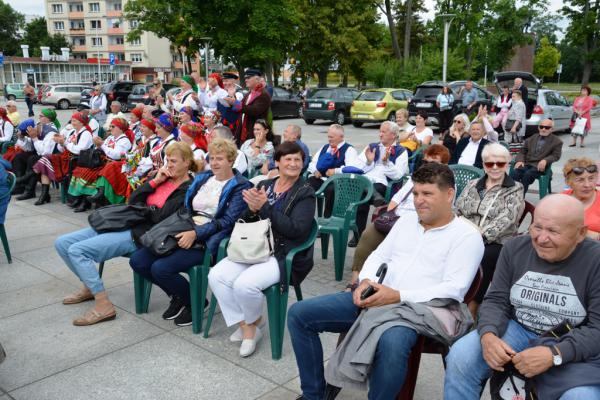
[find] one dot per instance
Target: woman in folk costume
(188, 95)
(113, 184)
(6, 127)
(191, 133)
(116, 145)
(167, 132)
(211, 92)
(134, 123)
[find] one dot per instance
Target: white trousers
(238, 288)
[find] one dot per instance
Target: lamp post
(206, 41)
(447, 20)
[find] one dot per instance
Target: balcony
(114, 13)
(76, 14)
(116, 47)
(115, 31)
(79, 49)
(77, 31)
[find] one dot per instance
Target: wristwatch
(556, 357)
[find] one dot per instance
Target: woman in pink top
(582, 107)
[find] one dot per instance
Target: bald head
(558, 227)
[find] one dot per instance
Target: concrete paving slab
(164, 367)
(32, 297)
(37, 225)
(19, 275)
(277, 394)
(43, 341)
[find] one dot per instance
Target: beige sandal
(78, 297)
(92, 317)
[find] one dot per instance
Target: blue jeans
(82, 250)
(336, 313)
(165, 271)
(467, 371)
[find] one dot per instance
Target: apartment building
(96, 29)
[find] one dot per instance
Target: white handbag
(251, 242)
(579, 126)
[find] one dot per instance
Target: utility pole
(206, 41)
(447, 20)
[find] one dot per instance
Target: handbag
(90, 158)
(161, 240)
(251, 242)
(118, 217)
(579, 127)
(385, 221)
(510, 123)
(510, 384)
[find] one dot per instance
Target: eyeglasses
(499, 164)
(545, 127)
(580, 170)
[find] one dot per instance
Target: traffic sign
(1, 58)
(111, 58)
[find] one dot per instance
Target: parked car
(86, 95)
(331, 104)
(14, 91)
(426, 93)
(285, 104)
(119, 91)
(378, 105)
(541, 103)
(62, 96)
(141, 94)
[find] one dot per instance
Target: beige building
(96, 29)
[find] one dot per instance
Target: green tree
(10, 22)
(546, 59)
(584, 31)
(36, 35)
(411, 29)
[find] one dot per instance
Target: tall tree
(584, 30)
(410, 25)
(10, 22)
(36, 35)
(387, 8)
(546, 59)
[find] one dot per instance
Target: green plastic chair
(350, 192)
(463, 174)
(545, 182)
(415, 158)
(276, 300)
(12, 179)
(389, 191)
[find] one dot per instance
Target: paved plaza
(142, 356)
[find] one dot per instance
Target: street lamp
(206, 41)
(447, 20)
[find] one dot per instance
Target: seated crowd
(535, 312)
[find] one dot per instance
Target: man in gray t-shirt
(468, 96)
(547, 278)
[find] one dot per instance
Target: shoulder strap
(489, 207)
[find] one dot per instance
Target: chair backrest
(414, 161)
(529, 209)
(474, 286)
(349, 188)
(463, 174)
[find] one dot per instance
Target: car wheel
(63, 104)
(309, 121)
(11, 97)
(340, 118)
(392, 117)
(357, 124)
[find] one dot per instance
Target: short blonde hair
(579, 162)
(223, 146)
(402, 111)
(185, 151)
(495, 150)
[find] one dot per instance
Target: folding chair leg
(211, 313)
(142, 288)
(5, 243)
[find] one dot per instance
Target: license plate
(314, 105)
(362, 116)
(424, 105)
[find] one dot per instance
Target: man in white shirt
(380, 162)
(331, 159)
(430, 254)
(468, 150)
(115, 112)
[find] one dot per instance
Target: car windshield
(427, 92)
(321, 94)
(371, 96)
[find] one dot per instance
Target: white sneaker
(249, 345)
(237, 336)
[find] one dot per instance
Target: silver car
(63, 96)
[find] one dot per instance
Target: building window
(57, 9)
(96, 42)
(115, 23)
(120, 56)
(94, 7)
(77, 25)
(59, 26)
(96, 24)
(136, 42)
(133, 24)
(119, 40)
(117, 6)
(136, 57)
(76, 7)
(79, 41)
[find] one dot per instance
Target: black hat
(252, 72)
(230, 75)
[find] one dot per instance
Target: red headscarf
(123, 125)
(79, 116)
(137, 112)
(194, 130)
(148, 123)
(218, 78)
(4, 114)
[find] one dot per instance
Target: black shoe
(175, 308)
(76, 202)
(353, 242)
(44, 197)
(185, 317)
(331, 392)
(98, 197)
(27, 195)
(84, 206)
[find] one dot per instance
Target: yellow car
(378, 105)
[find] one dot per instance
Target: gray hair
(393, 127)
(495, 150)
(115, 103)
(11, 103)
(338, 128)
(223, 132)
(297, 130)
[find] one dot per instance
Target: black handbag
(118, 217)
(161, 240)
(90, 158)
(510, 123)
(510, 384)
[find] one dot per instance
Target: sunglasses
(499, 164)
(580, 170)
(545, 127)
